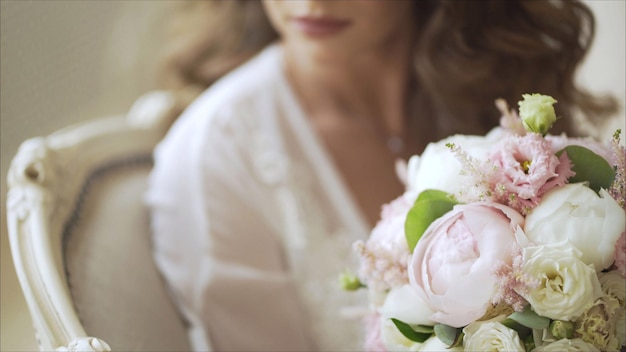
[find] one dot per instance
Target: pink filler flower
(385, 255)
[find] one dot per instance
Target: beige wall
(66, 61)
(63, 62)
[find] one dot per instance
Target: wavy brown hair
(468, 53)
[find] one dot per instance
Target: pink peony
(452, 264)
(620, 254)
(526, 169)
(386, 252)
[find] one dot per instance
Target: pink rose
(452, 264)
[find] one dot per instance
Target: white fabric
(252, 222)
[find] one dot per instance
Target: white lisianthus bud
(567, 286)
(562, 329)
(537, 112)
(566, 345)
(489, 336)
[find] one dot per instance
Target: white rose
(566, 345)
(576, 213)
(433, 344)
(403, 303)
(489, 336)
(612, 284)
(438, 167)
(566, 288)
(393, 340)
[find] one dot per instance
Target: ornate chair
(79, 234)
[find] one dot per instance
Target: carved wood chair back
(79, 234)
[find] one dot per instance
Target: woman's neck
(374, 87)
(356, 104)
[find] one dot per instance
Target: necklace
(395, 144)
(392, 141)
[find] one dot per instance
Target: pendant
(395, 144)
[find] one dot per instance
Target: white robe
(252, 223)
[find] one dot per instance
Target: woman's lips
(320, 26)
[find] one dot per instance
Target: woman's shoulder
(253, 83)
(246, 95)
(224, 123)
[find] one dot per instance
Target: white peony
(438, 167)
(403, 303)
(566, 288)
(577, 214)
(566, 345)
(491, 336)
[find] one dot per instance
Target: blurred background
(62, 62)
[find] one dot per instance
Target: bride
(283, 161)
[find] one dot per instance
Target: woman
(270, 175)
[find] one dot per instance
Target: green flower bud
(350, 282)
(562, 329)
(537, 112)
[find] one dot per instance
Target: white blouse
(252, 223)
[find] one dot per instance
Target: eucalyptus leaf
(429, 206)
(459, 339)
(530, 319)
(449, 335)
(589, 167)
(522, 331)
(407, 331)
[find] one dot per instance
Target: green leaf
(409, 332)
(429, 206)
(530, 319)
(589, 167)
(433, 194)
(449, 335)
(424, 329)
(522, 331)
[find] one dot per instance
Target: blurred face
(340, 28)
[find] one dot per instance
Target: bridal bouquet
(513, 241)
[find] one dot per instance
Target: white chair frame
(45, 182)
